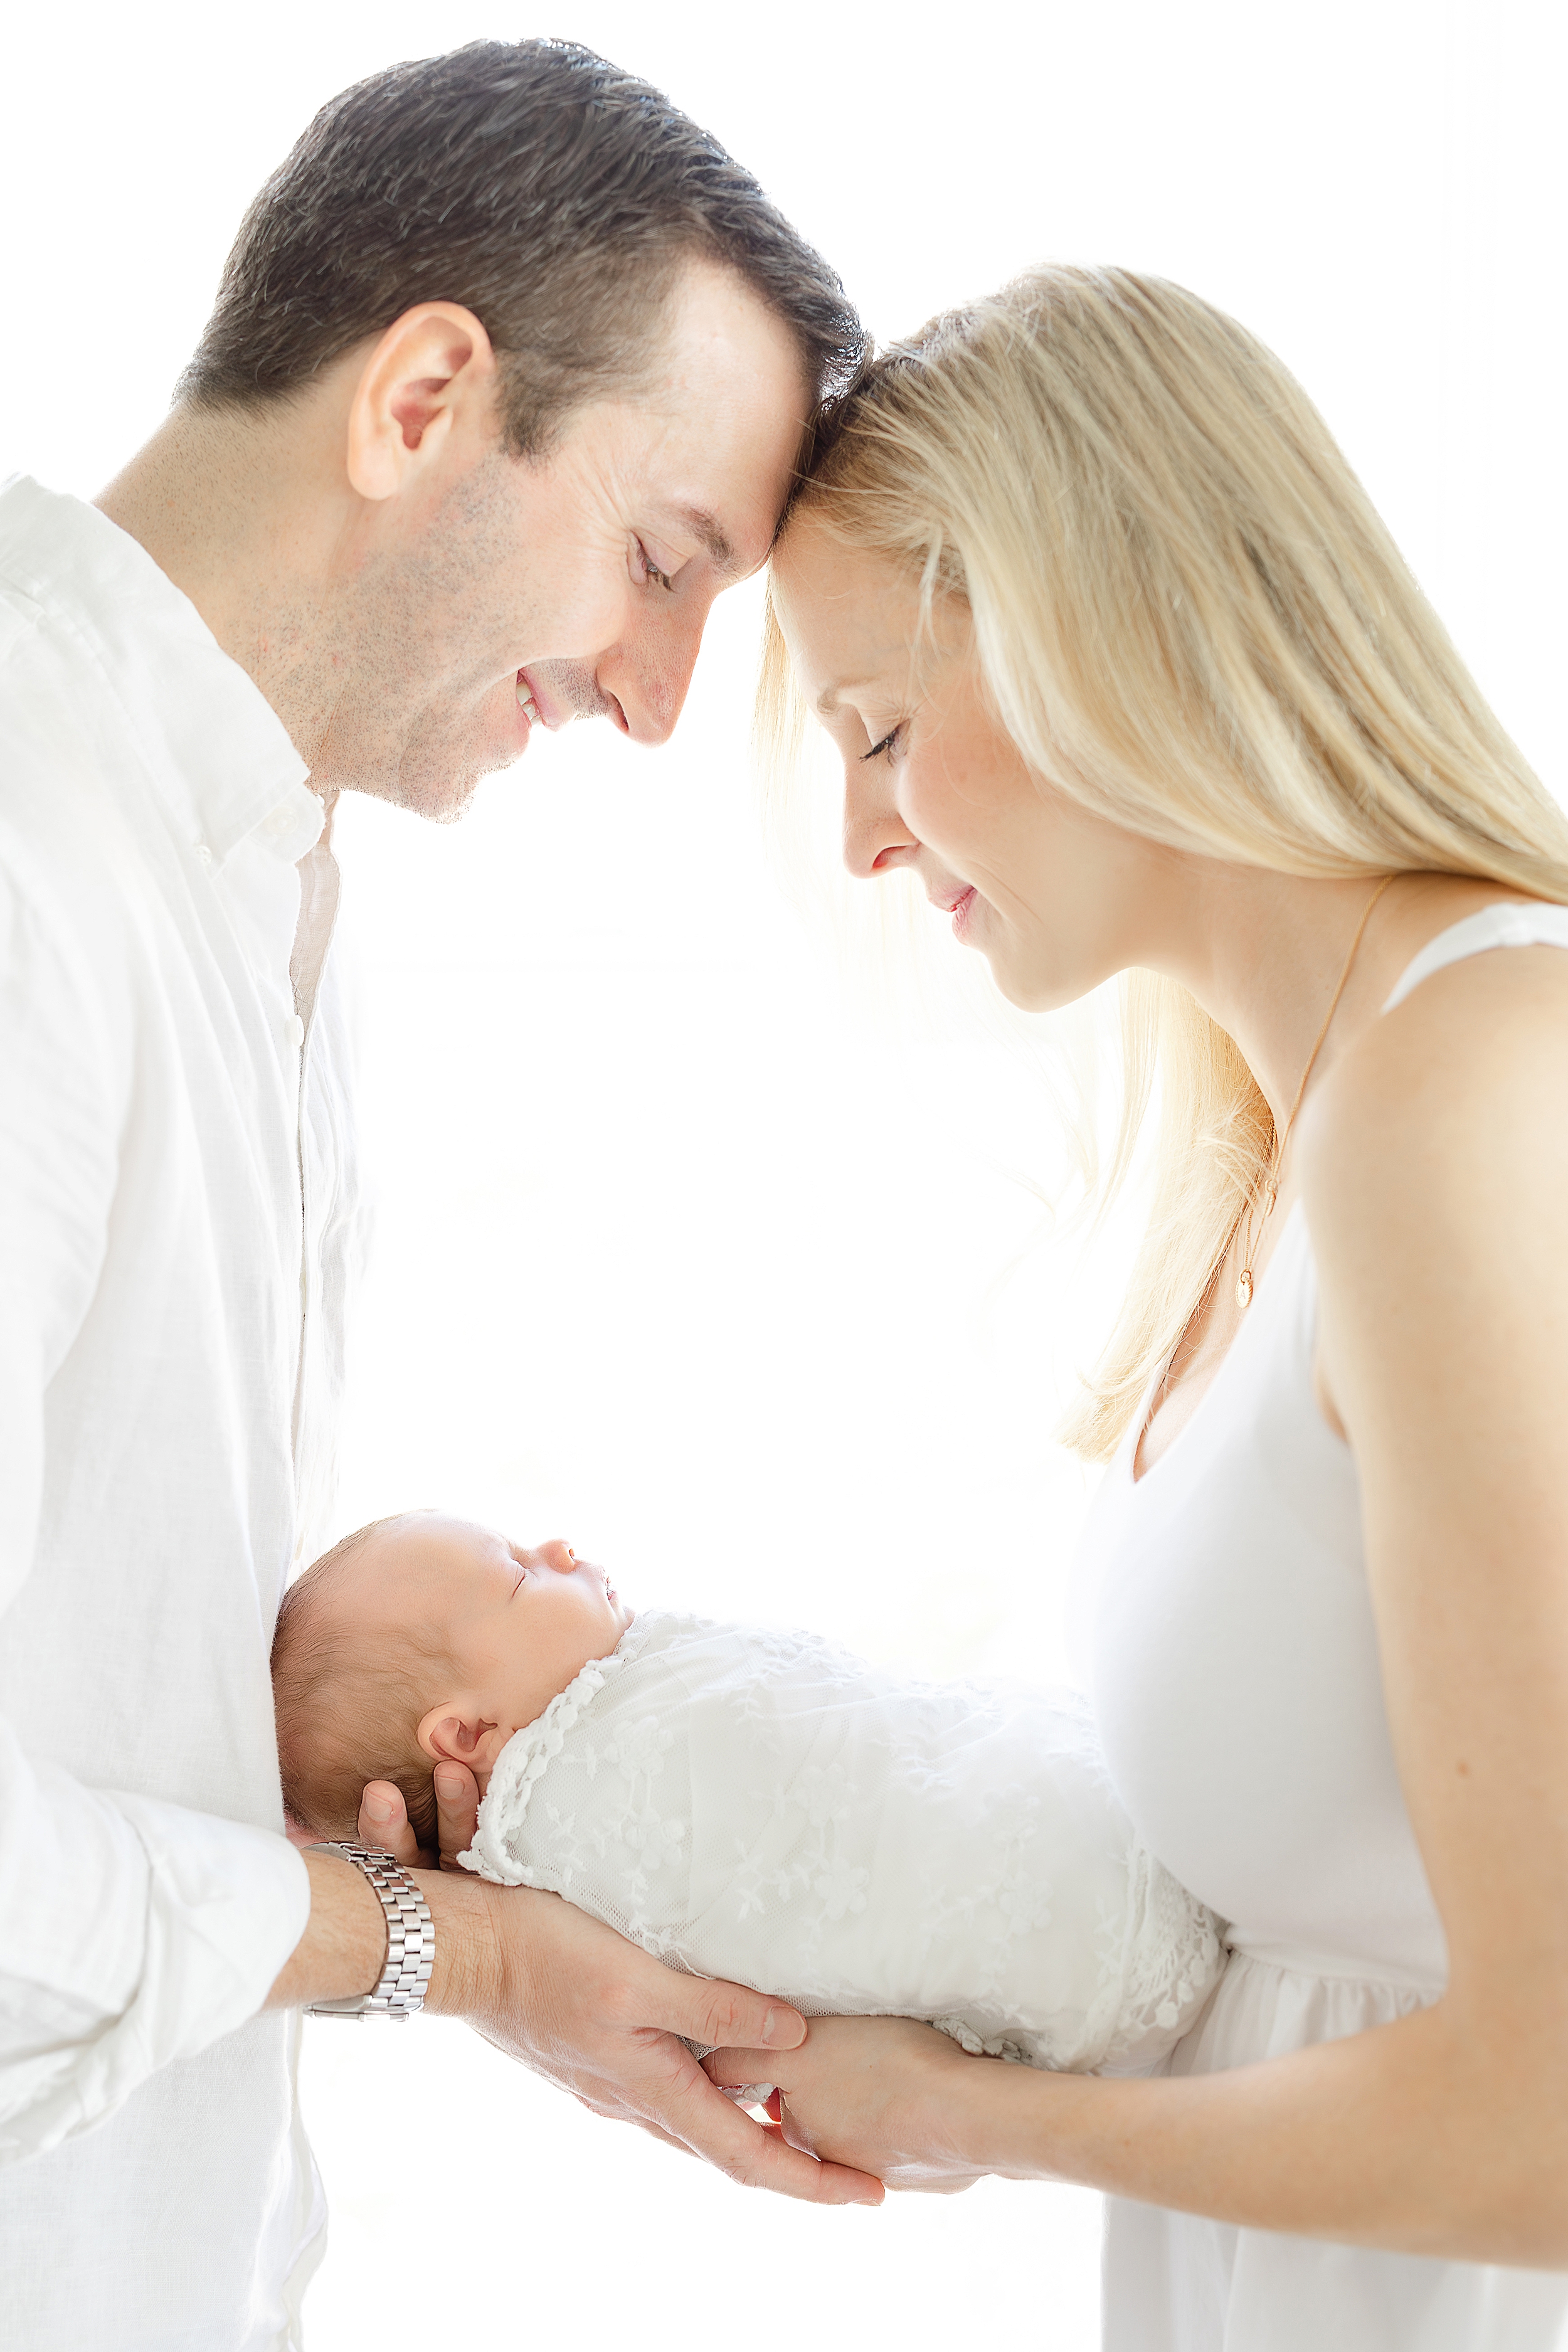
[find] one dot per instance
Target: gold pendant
(1244, 1286)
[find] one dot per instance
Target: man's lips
(535, 705)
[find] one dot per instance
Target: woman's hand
(883, 2093)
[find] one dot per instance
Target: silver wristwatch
(410, 1940)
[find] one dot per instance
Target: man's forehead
(727, 423)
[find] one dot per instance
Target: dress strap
(1514, 925)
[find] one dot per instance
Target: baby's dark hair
(346, 1714)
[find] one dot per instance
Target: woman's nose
(874, 833)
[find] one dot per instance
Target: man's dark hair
(548, 192)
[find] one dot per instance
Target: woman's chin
(1021, 989)
(1035, 992)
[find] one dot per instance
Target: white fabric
(750, 1803)
(1234, 1661)
(169, 1358)
(1510, 925)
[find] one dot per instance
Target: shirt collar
(217, 749)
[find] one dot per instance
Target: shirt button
(294, 1030)
(204, 853)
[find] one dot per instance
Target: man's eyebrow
(708, 532)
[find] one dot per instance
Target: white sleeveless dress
(1234, 1661)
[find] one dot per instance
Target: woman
(1123, 666)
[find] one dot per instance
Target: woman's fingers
(757, 2155)
(881, 2092)
(733, 2069)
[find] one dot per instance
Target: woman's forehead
(847, 616)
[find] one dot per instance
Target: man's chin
(441, 792)
(443, 802)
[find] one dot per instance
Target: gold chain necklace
(1244, 1284)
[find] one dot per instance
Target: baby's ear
(457, 1732)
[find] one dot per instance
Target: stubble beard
(416, 768)
(398, 724)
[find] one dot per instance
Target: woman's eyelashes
(886, 745)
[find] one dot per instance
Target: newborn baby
(742, 1801)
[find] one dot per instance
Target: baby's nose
(559, 1556)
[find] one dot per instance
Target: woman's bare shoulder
(1441, 1135)
(1470, 1068)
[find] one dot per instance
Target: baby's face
(516, 1624)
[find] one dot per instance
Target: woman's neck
(1263, 953)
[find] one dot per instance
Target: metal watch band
(410, 1940)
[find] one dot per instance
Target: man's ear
(432, 373)
(456, 1732)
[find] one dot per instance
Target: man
(507, 375)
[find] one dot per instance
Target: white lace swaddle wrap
(748, 1802)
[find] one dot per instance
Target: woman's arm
(1436, 1174)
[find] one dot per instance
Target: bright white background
(683, 1251)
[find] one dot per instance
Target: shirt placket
(319, 888)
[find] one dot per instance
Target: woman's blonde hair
(1189, 617)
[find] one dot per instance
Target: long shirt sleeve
(133, 1931)
(177, 1229)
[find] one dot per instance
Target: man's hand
(595, 2015)
(592, 2012)
(383, 1820)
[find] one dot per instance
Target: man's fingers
(709, 2011)
(384, 1822)
(384, 1817)
(456, 1809)
(758, 2156)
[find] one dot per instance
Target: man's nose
(648, 673)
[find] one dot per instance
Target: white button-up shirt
(177, 1230)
